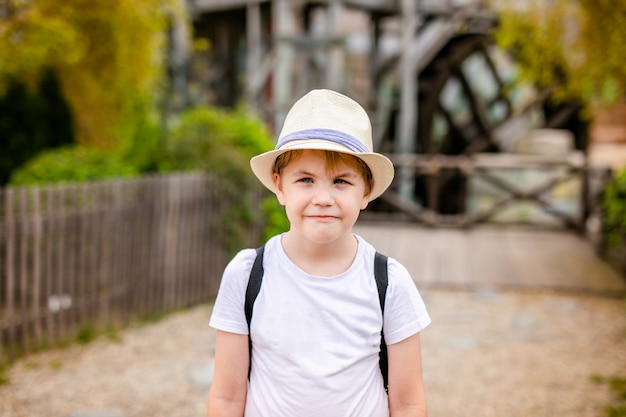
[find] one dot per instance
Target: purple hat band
(326, 134)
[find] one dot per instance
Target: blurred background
(126, 128)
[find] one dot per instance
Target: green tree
(576, 48)
(107, 55)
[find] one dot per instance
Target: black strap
(254, 286)
(381, 275)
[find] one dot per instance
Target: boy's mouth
(322, 217)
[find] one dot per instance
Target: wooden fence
(105, 253)
(543, 190)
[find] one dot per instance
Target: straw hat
(327, 120)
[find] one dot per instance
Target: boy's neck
(326, 260)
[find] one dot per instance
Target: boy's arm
(406, 385)
(227, 396)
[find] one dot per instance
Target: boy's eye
(341, 181)
(305, 180)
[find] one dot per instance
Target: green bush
(31, 120)
(222, 142)
(215, 140)
(614, 206)
(142, 150)
(277, 221)
(71, 164)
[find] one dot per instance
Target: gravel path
(487, 353)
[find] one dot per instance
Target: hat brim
(381, 167)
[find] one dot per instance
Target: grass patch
(86, 334)
(32, 365)
(160, 316)
(617, 386)
(56, 365)
(112, 334)
(4, 377)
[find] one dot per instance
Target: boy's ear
(365, 202)
(279, 189)
(366, 197)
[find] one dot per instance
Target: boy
(316, 327)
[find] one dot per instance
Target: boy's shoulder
(244, 256)
(240, 265)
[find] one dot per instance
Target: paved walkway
(503, 342)
(496, 257)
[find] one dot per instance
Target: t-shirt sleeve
(228, 312)
(405, 311)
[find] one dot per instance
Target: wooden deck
(495, 257)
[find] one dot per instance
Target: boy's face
(322, 205)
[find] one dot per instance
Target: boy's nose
(323, 195)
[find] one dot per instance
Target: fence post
(37, 234)
(49, 273)
(10, 274)
(23, 267)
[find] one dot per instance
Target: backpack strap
(381, 274)
(254, 286)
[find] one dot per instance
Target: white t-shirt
(316, 340)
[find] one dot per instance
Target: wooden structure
(430, 76)
(492, 168)
(84, 256)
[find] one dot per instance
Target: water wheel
(470, 101)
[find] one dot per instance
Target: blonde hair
(332, 159)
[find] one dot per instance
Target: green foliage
(575, 48)
(106, 53)
(534, 38)
(33, 39)
(603, 40)
(142, 150)
(71, 164)
(277, 221)
(614, 206)
(222, 142)
(215, 140)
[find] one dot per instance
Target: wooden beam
(433, 163)
(334, 69)
(413, 209)
(282, 15)
(253, 59)
(204, 6)
(407, 120)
